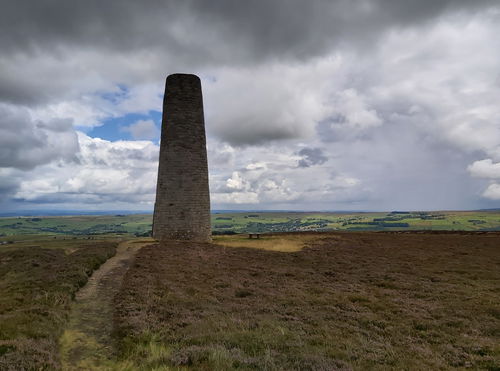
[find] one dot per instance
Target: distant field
(299, 221)
(252, 222)
(86, 225)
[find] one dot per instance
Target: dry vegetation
(37, 285)
(271, 242)
(305, 301)
(349, 301)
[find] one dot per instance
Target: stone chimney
(182, 208)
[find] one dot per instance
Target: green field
(86, 225)
(12, 229)
(303, 221)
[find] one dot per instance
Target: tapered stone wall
(182, 208)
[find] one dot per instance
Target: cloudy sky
(309, 105)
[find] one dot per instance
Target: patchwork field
(302, 221)
(81, 225)
(251, 222)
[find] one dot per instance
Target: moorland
(412, 291)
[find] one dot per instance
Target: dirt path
(86, 343)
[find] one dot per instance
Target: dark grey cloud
(311, 157)
(8, 186)
(25, 143)
(260, 28)
(187, 35)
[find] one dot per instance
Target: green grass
(38, 279)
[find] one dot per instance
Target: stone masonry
(182, 208)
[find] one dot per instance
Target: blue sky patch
(114, 128)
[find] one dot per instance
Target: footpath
(87, 344)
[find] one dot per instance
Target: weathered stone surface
(182, 208)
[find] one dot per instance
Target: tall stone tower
(182, 208)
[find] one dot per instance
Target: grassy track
(87, 343)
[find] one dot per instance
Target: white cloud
(485, 169)
(269, 176)
(85, 111)
(236, 182)
(106, 172)
(142, 98)
(354, 110)
(256, 166)
(344, 182)
(143, 129)
(235, 198)
(492, 192)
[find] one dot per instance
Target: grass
(347, 301)
(37, 285)
(270, 242)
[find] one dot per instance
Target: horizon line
(54, 213)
